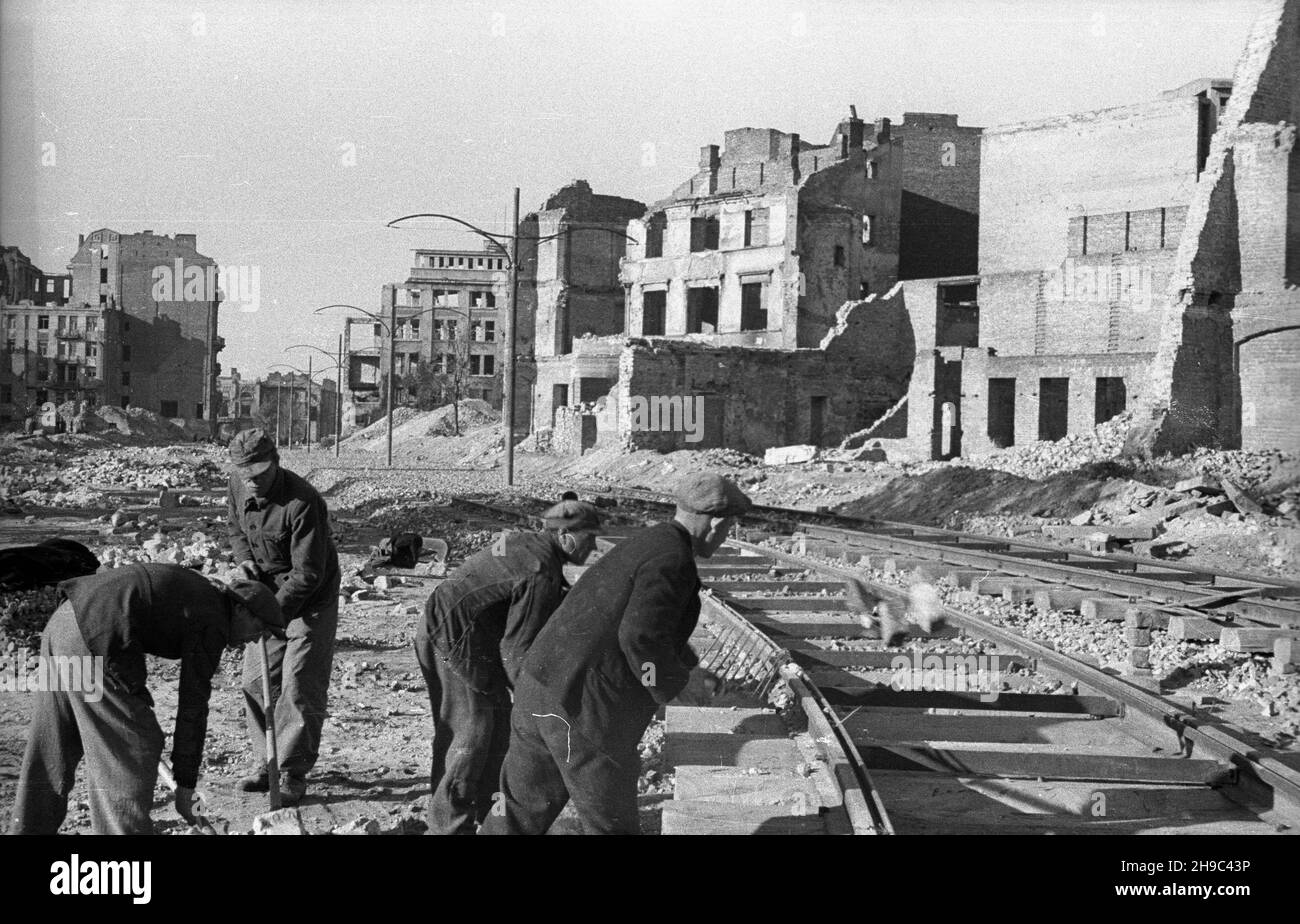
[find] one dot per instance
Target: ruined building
(169, 294)
(1081, 219)
(735, 284)
(1227, 365)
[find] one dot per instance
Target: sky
(286, 134)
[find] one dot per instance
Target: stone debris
(789, 455)
(281, 821)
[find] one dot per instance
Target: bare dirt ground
(104, 491)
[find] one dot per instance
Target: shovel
(268, 712)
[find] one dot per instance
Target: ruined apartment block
(450, 315)
(758, 251)
(172, 369)
(1080, 221)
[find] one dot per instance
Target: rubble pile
(1039, 460)
(23, 615)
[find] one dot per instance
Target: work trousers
(470, 732)
(300, 678)
(114, 730)
(550, 762)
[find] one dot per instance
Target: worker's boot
(292, 788)
(255, 782)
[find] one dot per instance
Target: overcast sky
(285, 134)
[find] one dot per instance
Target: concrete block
(789, 455)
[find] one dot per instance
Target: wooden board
(692, 817)
(1240, 639)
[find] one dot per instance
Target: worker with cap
(94, 701)
(614, 651)
(280, 535)
(477, 628)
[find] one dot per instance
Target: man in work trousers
(477, 627)
(280, 534)
(613, 652)
(120, 616)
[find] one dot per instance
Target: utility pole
(309, 383)
(508, 353)
(338, 403)
(392, 364)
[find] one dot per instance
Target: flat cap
(258, 600)
(252, 450)
(572, 515)
(707, 492)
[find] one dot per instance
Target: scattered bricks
(1286, 655)
(1179, 508)
(994, 585)
(1137, 618)
(1139, 657)
(1194, 629)
(1022, 593)
(1109, 609)
(1200, 484)
(1240, 499)
(1219, 507)
(1238, 639)
(789, 455)
(1061, 598)
(282, 821)
(1138, 638)
(1099, 543)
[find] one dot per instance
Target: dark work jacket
(161, 610)
(287, 534)
(485, 616)
(617, 646)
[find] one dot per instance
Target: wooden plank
(1059, 597)
(722, 720)
(1113, 530)
(763, 752)
(976, 701)
(897, 563)
(794, 794)
(1046, 762)
(1105, 609)
(994, 585)
(1241, 639)
(812, 629)
(1080, 732)
(1194, 628)
(692, 817)
(812, 658)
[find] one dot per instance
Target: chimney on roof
(81, 239)
(709, 159)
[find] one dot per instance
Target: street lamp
(293, 390)
(512, 261)
(338, 390)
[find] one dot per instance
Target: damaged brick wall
(1226, 368)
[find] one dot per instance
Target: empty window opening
(593, 388)
(753, 316)
(702, 310)
(654, 308)
(958, 323)
(704, 233)
(559, 399)
(169, 408)
(1112, 398)
(839, 254)
(654, 236)
(816, 419)
(1053, 408)
(1002, 412)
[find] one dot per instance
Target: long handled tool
(268, 713)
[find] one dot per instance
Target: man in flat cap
(280, 534)
(95, 702)
(477, 628)
(614, 651)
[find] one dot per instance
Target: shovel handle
(268, 713)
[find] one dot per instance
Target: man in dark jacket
(477, 628)
(613, 652)
(280, 534)
(94, 700)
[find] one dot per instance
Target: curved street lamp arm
(308, 346)
(572, 228)
(376, 318)
(494, 238)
